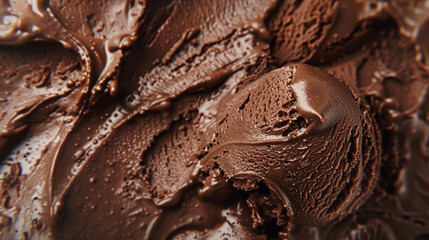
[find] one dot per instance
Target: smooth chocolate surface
(204, 119)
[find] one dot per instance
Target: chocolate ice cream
(214, 119)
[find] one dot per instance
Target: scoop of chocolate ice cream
(167, 119)
(307, 136)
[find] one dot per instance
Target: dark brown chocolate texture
(280, 119)
(302, 132)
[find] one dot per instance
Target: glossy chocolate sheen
(214, 119)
